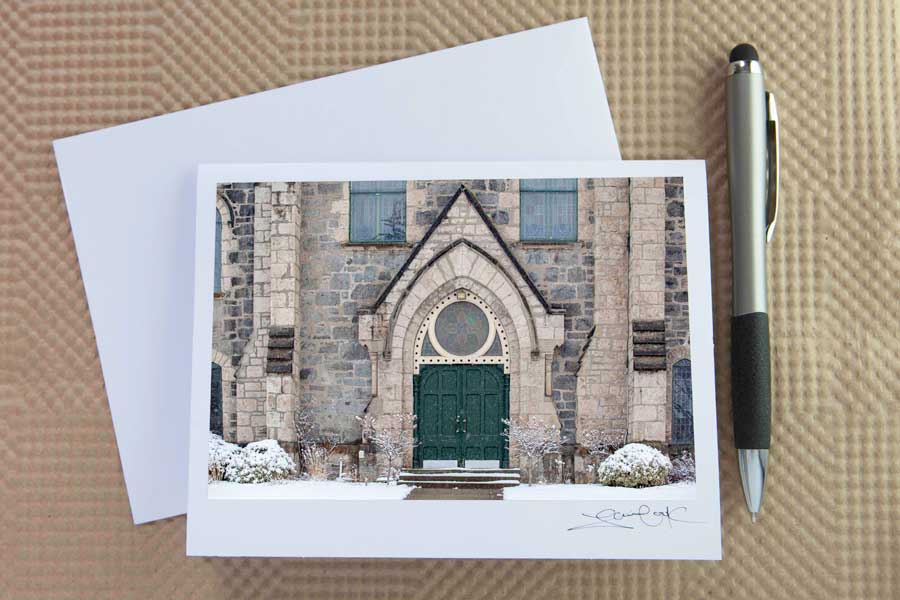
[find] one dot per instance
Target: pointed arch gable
(476, 205)
(443, 267)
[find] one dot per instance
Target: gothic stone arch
(475, 261)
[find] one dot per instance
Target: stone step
(461, 478)
(471, 477)
(514, 472)
(460, 484)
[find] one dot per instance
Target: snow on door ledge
(438, 464)
(482, 464)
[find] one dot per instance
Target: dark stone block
(328, 298)
(245, 243)
(537, 257)
(649, 363)
(649, 337)
(575, 275)
(649, 350)
(236, 196)
(281, 342)
(425, 217)
(233, 257)
(366, 291)
(648, 326)
(674, 191)
(342, 333)
(340, 281)
(675, 209)
(277, 354)
(247, 210)
(551, 274)
(569, 350)
(564, 382)
(501, 217)
(281, 331)
(681, 297)
(331, 188)
(277, 367)
(355, 351)
(563, 292)
(674, 253)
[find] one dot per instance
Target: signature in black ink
(643, 516)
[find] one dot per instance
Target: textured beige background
(830, 523)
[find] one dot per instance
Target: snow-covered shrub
(635, 465)
(260, 462)
(220, 456)
(683, 468)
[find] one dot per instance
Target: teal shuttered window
(378, 212)
(549, 210)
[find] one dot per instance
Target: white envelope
(130, 192)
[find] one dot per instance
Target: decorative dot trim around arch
(486, 352)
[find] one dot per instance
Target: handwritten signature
(643, 516)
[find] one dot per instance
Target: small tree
(393, 440)
(533, 438)
(314, 448)
(600, 444)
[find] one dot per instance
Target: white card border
(470, 529)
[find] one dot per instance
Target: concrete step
(461, 478)
(514, 472)
(491, 485)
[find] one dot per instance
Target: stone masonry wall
(677, 313)
(602, 380)
(336, 279)
(284, 307)
(647, 409)
(234, 305)
(237, 269)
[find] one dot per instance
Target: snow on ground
(594, 491)
(307, 490)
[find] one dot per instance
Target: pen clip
(773, 166)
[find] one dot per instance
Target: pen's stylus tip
(743, 52)
(753, 517)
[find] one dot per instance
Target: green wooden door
(460, 409)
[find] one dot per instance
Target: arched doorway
(461, 385)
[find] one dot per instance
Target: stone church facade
(462, 302)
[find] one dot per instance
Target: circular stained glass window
(461, 328)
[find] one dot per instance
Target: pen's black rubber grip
(750, 380)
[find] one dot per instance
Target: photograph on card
(489, 339)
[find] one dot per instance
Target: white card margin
(454, 529)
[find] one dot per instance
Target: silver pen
(752, 125)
